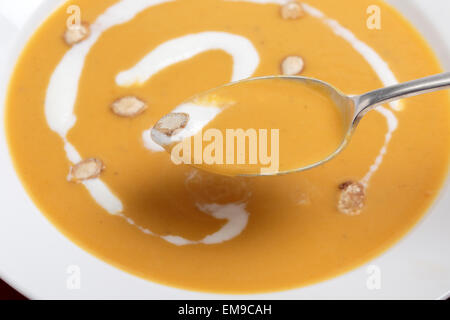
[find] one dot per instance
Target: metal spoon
(353, 108)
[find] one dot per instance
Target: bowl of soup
(94, 208)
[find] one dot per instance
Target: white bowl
(41, 263)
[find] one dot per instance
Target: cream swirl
(62, 93)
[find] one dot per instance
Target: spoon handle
(374, 98)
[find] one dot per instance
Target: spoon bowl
(345, 104)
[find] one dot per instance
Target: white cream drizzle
(245, 56)
(245, 62)
(392, 124)
(63, 88)
(234, 213)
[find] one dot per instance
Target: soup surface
(179, 226)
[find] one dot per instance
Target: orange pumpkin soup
(83, 99)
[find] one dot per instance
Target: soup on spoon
(261, 126)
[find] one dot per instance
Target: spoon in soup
(272, 125)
